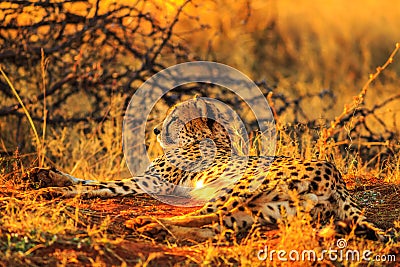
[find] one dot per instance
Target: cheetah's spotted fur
(318, 185)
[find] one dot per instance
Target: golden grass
(24, 108)
(34, 230)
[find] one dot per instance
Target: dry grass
(321, 45)
(91, 233)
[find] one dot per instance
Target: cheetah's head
(196, 120)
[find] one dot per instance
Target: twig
(23, 107)
(357, 101)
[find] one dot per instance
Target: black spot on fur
(126, 188)
(318, 178)
(314, 185)
(265, 182)
(235, 194)
(112, 189)
(276, 198)
(292, 185)
(258, 196)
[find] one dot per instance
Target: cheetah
(246, 191)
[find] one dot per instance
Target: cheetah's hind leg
(351, 217)
(187, 227)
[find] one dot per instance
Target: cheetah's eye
(156, 131)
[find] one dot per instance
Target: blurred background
(76, 64)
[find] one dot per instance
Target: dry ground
(92, 232)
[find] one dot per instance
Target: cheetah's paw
(52, 192)
(139, 222)
(148, 227)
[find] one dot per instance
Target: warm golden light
(199, 184)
